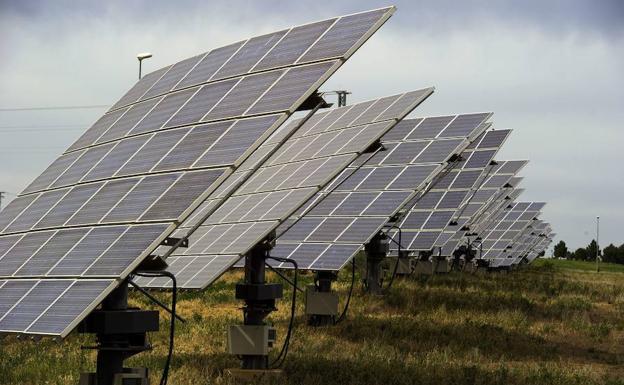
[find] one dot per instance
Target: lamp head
(144, 55)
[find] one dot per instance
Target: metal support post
(121, 332)
(253, 339)
(376, 251)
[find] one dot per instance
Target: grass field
(553, 323)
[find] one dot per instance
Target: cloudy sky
(551, 70)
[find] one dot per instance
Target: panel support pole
(252, 340)
(376, 250)
(121, 333)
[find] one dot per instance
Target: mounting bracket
(121, 333)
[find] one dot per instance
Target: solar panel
(440, 212)
(335, 224)
(146, 164)
(310, 158)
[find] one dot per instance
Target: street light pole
(1, 196)
(141, 57)
(597, 242)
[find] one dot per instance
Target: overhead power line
(42, 126)
(85, 107)
(37, 129)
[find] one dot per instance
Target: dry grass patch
(543, 325)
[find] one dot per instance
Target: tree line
(611, 253)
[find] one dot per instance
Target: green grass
(552, 323)
(580, 265)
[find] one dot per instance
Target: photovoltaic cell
(68, 205)
(163, 111)
(207, 66)
(249, 54)
(344, 34)
(127, 121)
(203, 101)
(293, 45)
(172, 76)
(188, 150)
(95, 131)
(117, 157)
(139, 89)
(102, 202)
(243, 96)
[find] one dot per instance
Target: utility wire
(35, 129)
(35, 125)
(54, 108)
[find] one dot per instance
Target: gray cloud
(549, 70)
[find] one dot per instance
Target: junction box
(320, 303)
(254, 340)
(405, 266)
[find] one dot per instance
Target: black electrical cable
(282, 276)
(343, 315)
(154, 299)
(174, 299)
(279, 360)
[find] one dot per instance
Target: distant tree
(591, 250)
(580, 254)
(561, 250)
(611, 254)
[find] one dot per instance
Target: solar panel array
(336, 223)
(495, 207)
(309, 159)
(491, 188)
(507, 227)
(425, 225)
(208, 149)
(540, 245)
(530, 238)
(106, 203)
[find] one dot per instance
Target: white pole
(597, 242)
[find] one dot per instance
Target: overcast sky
(550, 70)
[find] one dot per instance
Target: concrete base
(253, 375)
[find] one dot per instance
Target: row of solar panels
(202, 149)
